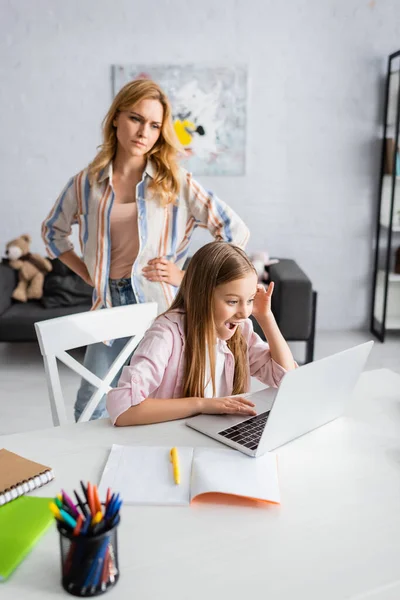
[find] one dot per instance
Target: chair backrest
(58, 335)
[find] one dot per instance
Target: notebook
(22, 522)
(18, 475)
(144, 475)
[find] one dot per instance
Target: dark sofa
(64, 293)
(294, 303)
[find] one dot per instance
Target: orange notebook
(145, 475)
(18, 475)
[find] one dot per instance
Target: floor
(24, 401)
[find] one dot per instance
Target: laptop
(307, 398)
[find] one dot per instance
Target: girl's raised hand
(227, 406)
(262, 301)
(162, 269)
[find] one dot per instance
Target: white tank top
(219, 374)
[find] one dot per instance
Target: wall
(316, 72)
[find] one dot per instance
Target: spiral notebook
(18, 475)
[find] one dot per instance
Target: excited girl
(203, 350)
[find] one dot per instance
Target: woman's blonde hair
(164, 154)
(214, 264)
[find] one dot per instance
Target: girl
(204, 349)
(136, 209)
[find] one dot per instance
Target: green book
(22, 522)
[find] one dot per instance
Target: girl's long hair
(214, 264)
(166, 150)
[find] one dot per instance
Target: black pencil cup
(89, 563)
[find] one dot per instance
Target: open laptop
(307, 398)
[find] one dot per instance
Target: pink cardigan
(157, 366)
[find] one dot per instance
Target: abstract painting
(209, 112)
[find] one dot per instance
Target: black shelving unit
(385, 306)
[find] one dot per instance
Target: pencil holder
(89, 563)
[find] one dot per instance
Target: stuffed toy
(31, 269)
(261, 260)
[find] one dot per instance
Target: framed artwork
(209, 112)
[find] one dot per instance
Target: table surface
(335, 535)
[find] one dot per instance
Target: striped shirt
(163, 230)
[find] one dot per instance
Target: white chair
(58, 335)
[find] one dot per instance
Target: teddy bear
(261, 260)
(31, 269)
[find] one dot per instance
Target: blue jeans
(99, 357)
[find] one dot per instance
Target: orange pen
(97, 503)
(91, 502)
(79, 522)
(108, 497)
(105, 571)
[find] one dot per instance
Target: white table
(336, 534)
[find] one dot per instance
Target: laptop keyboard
(247, 433)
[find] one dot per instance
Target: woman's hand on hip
(227, 406)
(161, 269)
(76, 264)
(88, 280)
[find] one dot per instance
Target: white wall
(315, 67)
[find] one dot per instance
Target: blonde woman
(203, 349)
(136, 209)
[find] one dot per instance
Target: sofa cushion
(62, 287)
(8, 282)
(291, 300)
(17, 323)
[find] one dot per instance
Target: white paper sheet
(144, 474)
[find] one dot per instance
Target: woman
(136, 209)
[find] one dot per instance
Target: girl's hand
(227, 406)
(161, 269)
(262, 301)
